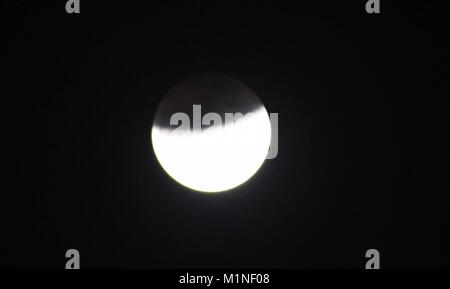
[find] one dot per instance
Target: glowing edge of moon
(218, 158)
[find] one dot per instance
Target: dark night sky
(363, 123)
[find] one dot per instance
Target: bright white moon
(221, 153)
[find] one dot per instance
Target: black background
(363, 145)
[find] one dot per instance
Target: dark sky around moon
(363, 134)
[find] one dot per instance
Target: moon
(211, 133)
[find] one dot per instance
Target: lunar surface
(211, 133)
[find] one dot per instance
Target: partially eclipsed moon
(199, 150)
